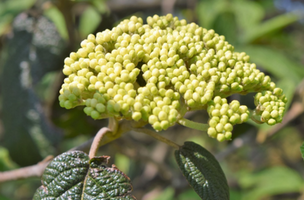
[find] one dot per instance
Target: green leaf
(302, 150)
(208, 11)
(274, 62)
(188, 195)
(15, 6)
(57, 18)
(248, 13)
(5, 161)
(4, 23)
(72, 175)
(34, 49)
(100, 5)
(122, 162)
(89, 21)
(225, 24)
(202, 171)
(272, 181)
(8, 10)
(167, 194)
(269, 26)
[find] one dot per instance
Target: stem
(113, 124)
(157, 136)
(96, 142)
(26, 172)
(193, 125)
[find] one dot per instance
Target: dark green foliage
(202, 171)
(302, 150)
(34, 49)
(72, 175)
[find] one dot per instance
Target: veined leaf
(72, 175)
(202, 171)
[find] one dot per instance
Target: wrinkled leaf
(72, 175)
(274, 62)
(33, 50)
(272, 181)
(202, 171)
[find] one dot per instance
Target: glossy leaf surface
(202, 171)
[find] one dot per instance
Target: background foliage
(36, 35)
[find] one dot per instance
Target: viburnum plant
(153, 74)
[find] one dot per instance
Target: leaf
(208, 11)
(302, 150)
(34, 49)
(72, 175)
(248, 13)
(8, 10)
(188, 195)
(5, 161)
(15, 6)
(225, 24)
(167, 194)
(272, 181)
(269, 26)
(57, 18)
(202, 171)
(89, 21)
(122, 162)
(274, 62)
(100, 5)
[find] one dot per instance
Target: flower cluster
(152, 72)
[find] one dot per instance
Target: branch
(26, 172)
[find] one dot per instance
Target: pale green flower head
(158, 71)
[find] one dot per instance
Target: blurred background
(260, 162)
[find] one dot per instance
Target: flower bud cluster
(150, 72)
(223, 116)
(270, 106)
